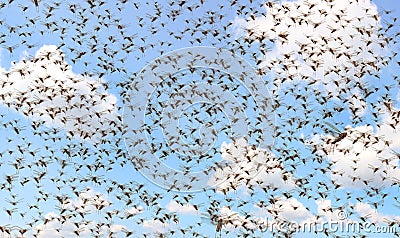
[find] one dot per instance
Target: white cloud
(55, 228)
(155, 226)
(283, 214)
(45, 88)
(331, 214)
(390, 126)
(331, 39)
(357, 103)
(366, 211)
(174, 206)
(325, 209)
(133, 211)
(94, 201)
(232, 220)
(290, 209)
(364, 158)
(290, 215)
(62, 225)
(250, 167)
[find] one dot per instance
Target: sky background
(68, 68)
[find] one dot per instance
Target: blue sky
(68, 68)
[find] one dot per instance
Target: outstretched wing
(333, 127)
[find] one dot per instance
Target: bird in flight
(36, 2)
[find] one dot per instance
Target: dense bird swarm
(69, 68)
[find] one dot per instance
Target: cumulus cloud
(328, 213)
(250, 167)
(390, 126)
(318, 39)
(365, 210)
(155, 226)
(366, 158)
(232, 220)
(45, 88)
(66, 224)
(54, 228)
(174, 206)
(290, 209)
(289, 215)
(283, 215)
(133, 211)
(89, 200)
